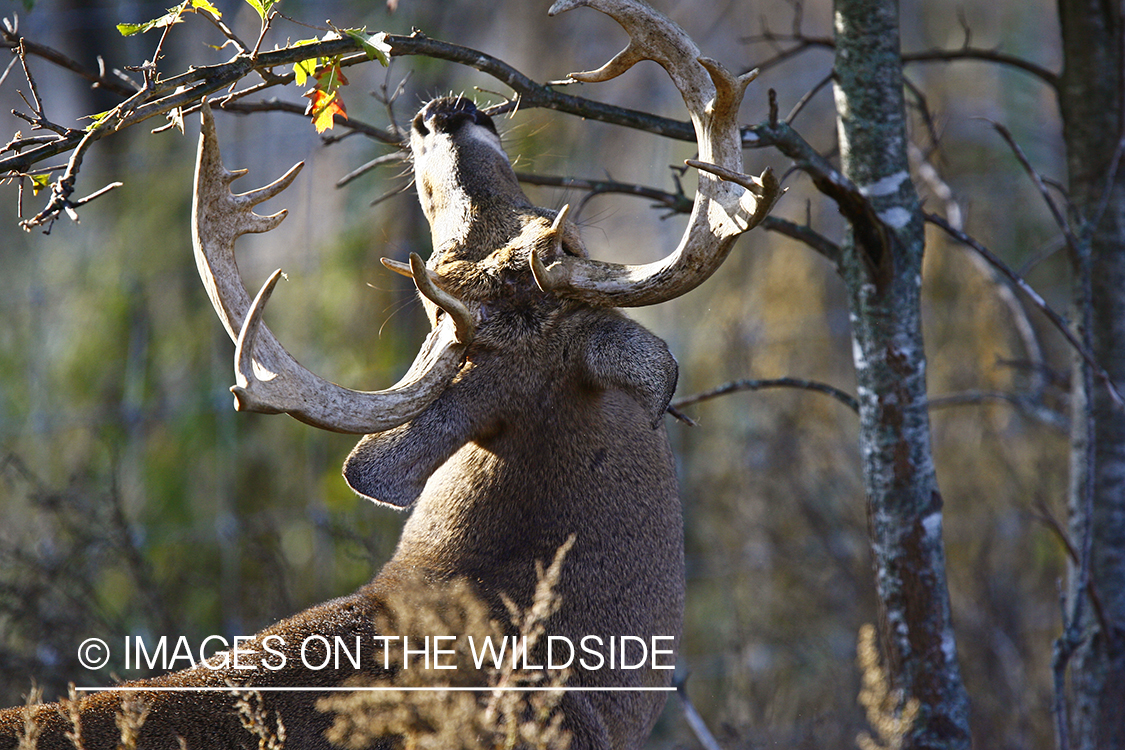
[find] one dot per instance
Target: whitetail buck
(533, 413)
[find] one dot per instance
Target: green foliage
(174, 15)
(375, 45)
(263, 7)
(324, 98)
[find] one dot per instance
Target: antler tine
(427, 283)
(724, 208)
(651, 37)
(268, 378)
(458, 313)
(254, 197)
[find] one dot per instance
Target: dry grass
(130, 718)
(255, 720)
(449, 720)
(423, 720)
(29, 735)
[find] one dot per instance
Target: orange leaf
(323, 107)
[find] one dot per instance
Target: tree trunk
(1093, 113)
(882, 268)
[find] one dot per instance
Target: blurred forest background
(136, 501)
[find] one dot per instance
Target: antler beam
(724, 207)
(269, 380)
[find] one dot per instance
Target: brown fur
(553, 427)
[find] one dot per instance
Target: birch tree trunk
(1092, 101)
(882, 268)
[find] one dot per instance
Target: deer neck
(475, 216)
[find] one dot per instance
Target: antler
(727, 202)
(269, 380)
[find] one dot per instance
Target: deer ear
(392, 467)
(623, 354)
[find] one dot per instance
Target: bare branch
(756, 385)
(1041, 185)
(807, 235)
(395, 157)
(226, 31)
(929, 176)
(1029, 404)
(1091, 222)
(1047, 519)
(149, 68)
(804, 100)
(12, 40)
(694, 720)
(382, 135)
(676, 203)
(985, 55)
(802, 43)
(1056, 320)
(200, 82)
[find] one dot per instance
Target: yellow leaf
(204, 5)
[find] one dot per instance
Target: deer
(531, 419)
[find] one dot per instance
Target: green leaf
(302, 69)
(97, 119)
(172, 16)
(375, 45)
(262, 6)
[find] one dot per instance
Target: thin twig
(149, 69)
(1048, 77)
(1059, 216)
(807, 235)
(97, 194)
(226, 31)
(1056, 320)
(391, 193)
(1029, 404)
(278, 105)
(10, 39)
(694, 720)
(802, 43)
(929, 175)
(756, 385)
(1048, 520)
(924, 107)
(391, 158)
(1091, 224)
(675, 202)
(7, 70)
(804, 100)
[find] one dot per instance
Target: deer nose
(449, 114)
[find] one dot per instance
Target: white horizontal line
(342, 689)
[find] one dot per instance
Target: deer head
(532, 414)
